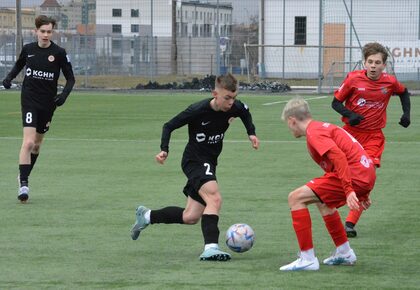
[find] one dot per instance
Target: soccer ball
(240, 238)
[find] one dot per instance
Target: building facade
(137, 35)
(313, 38)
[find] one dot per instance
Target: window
(134, 28)
(116, 44)
(195, 30)
(134, 13)
(116, 12)
(116, 28)
(300, 30)
(116, 60)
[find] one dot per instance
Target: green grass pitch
(97, 164)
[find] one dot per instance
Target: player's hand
(254, 141)
(7, 83)
(353, 201)
(355, 119)
(366, 203)
(405, 120)
(161, 157)
(60, 99)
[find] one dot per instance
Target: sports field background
(97, 164)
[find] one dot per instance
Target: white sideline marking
(281, 102)
(182, 141)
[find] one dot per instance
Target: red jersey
(322, 137)
(368, 98)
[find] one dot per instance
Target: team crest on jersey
(51, 58)
(384, 91)
(361, 102)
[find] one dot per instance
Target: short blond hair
(298, 108)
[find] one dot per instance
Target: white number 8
(28, 119)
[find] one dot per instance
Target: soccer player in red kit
(349, 177)
(366, 94)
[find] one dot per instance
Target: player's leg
(39, 138)
(374, 145)
(302, 224)
(146, 216)
(28, 143)
(343, 254)
(210, 193)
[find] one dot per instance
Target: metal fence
(314, 40)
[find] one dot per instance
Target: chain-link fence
(318, 41)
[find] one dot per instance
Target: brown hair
(227, 82)
(374, 48)
(44, 20)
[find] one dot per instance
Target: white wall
(392, 23)
(161, 15)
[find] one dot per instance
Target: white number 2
(28, 118)
(208, 172)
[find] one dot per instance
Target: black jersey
(206, 129)
(42, 70)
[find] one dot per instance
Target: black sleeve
(176, 122)
(246, 119)
(405, 102)
(19, 65)
(339, 108)
(68, 74)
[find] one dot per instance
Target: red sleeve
(341, 167)
(345, 90)
(399, 88)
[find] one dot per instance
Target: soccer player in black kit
(207, 122)
(43, 61)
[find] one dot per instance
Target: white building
(343, 24)
(132, 33)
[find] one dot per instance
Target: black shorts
(39, 119)
(197, 173)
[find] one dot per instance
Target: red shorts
(372, 141)
(329, 190)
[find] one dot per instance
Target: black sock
(24, 171)
(350, 224)
(34, 157)
(167, 215)
(210, 229)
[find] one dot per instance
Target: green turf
(97, 165)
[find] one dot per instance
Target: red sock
(354, 215)
(303, 227)
(335, 228)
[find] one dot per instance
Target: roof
(50, 3)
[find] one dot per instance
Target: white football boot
(302, 265)
(347, 259)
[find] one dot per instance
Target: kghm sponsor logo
(201, 137)
(39, 74)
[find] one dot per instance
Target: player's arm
(19, 65)
(246, 118)
(176, 122)
(354, 119)
(70, 81)
(406, 107)
(341, 167)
